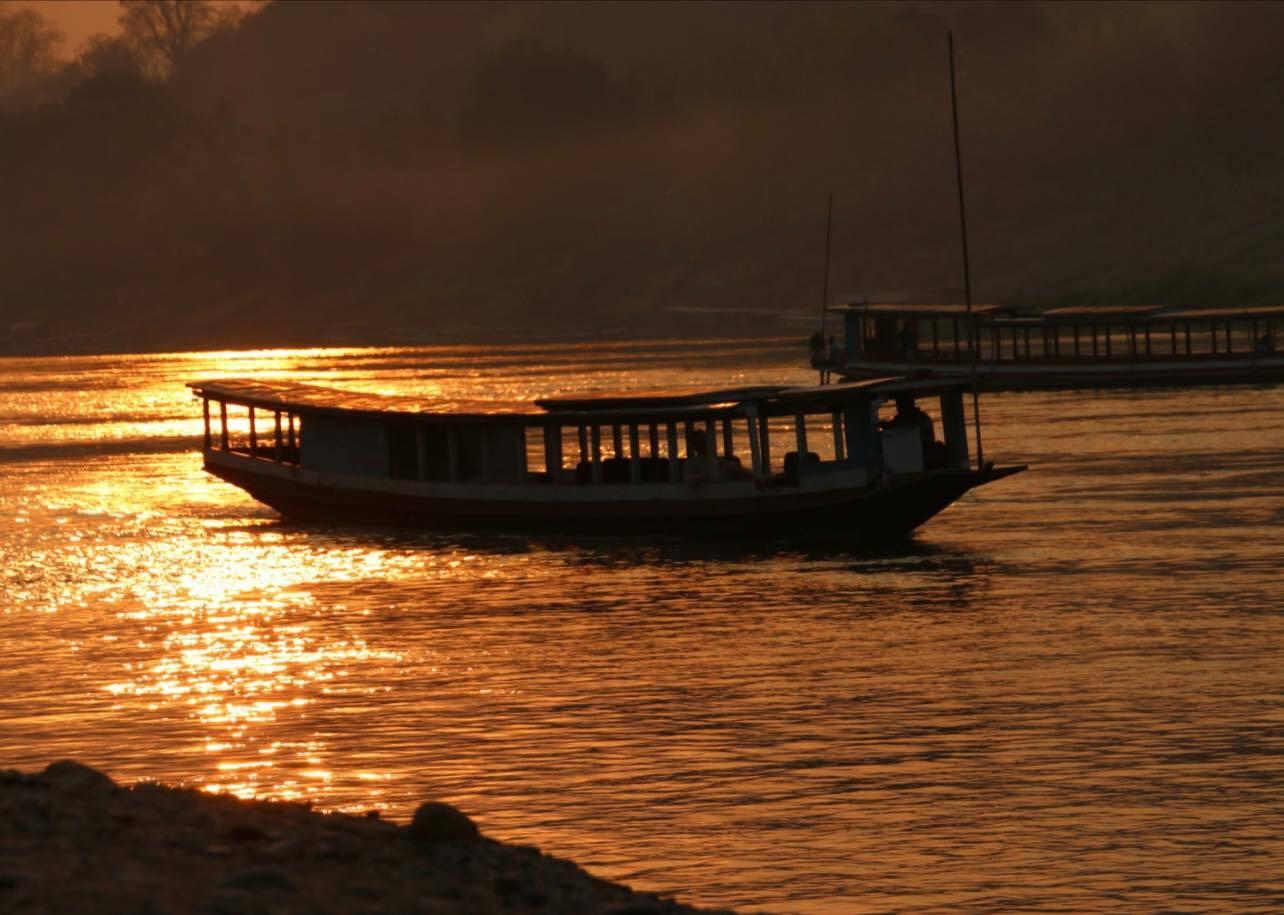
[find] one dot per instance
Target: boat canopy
(774, 399)
(924, 311)
(1066, 313)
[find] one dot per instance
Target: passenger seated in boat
(696, 468)
(1264, 346)
(910, 415)
(730, 468)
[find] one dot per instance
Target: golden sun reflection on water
(1081, 653)
(239, 648)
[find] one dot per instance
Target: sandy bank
(72, 841)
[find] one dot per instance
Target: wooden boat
(1079, 347)
(812, 461)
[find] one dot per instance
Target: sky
(77, 19)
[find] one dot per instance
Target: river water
(1066, 693)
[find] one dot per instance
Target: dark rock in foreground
(71, 841)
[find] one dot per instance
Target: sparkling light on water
(1066, 692)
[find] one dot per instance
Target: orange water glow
(1066, 688)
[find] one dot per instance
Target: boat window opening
(236, 426)
(550, 450)
(648, 453)
(595, 453)
(533, 448)
(635, 456)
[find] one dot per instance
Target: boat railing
(1013, 341)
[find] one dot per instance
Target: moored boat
(1062, 348)
(830, 461)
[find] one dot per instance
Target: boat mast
(824, 293)
(975, 342)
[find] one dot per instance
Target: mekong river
(1066, 693)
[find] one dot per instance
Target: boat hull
(1034, 376)
(887, 512)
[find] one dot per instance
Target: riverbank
(73, 841)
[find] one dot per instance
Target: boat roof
(888, 309)
(292, 395)
(681, 397)
(1008, 315)
(1258, 311)
(645, 407)
(1105, 311)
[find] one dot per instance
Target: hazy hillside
(365, 172)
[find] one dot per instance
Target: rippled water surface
(1065, 694)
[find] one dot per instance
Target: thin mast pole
(967, 275)
(829, 231)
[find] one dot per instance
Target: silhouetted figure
(837, 354)
(1265, 345)
(697, 468)
(816, 350)
(911, 415)
(907, 341)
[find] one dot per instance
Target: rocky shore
(72, 841)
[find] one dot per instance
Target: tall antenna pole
(974, 343)
(829, 231)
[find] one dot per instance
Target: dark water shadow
(600, 550)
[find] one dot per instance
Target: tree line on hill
(378, 172)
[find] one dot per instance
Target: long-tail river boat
(834, 460)
(1062, 348)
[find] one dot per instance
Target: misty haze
(388, 172)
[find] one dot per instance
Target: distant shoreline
(615, 336)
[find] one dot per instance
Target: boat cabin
(1061, 347)
(852, 434)
(933, 334)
